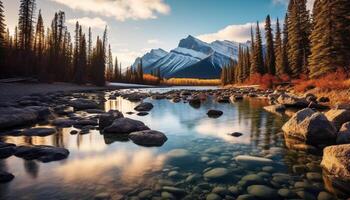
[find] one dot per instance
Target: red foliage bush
(333, 81)
(266, 81)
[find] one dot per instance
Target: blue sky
(136, 26)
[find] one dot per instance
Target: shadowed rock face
(12, 117)
(292, 101)
(42, 153)
(144, 107)
(344, 134)
(148, 138)
(82, 104)
(125, 126)
(338, 117)
(310, 127)
(107, 119)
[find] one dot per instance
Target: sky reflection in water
(99, 164)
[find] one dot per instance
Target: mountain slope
(194, 58)
(149, 58)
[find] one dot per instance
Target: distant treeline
(308, 46)
(50, 55)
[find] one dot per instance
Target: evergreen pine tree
(285, 47)
(2, 39)
(298, 37)
(270, 49)
(279, 51)
(258, 64)
(330, 41)
(109, 64)
(25, 24)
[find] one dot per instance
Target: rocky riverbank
(314, 125)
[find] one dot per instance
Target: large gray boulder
(344, 134)
(11, 117)
(148, 138)
(106, 119)
(310, 127)
(144, 107)
(292, 101)
(338, 117)
(336, 160)
(125, 126)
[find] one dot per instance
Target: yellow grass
(191, 82)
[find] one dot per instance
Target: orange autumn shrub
(150, 79)
(191, 82)
(333, 81)
(265, 81)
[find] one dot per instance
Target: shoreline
(14, 91)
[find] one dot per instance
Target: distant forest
(51, 54)
(310, 45)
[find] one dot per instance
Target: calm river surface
(116, 167)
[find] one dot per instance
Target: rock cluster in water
(246, 176)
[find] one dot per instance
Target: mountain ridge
(192, 58)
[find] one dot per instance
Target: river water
(101, 166)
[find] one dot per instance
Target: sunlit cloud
(121, 10)
(209, 128)
(236, 32)
(89, 22)
(132, 165)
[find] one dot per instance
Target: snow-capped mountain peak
(192, 58)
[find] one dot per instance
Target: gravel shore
(13, 91)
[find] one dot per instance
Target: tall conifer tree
(330, 43)
(270, 49)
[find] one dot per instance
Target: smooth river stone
(253, 161)
(213, 196)
(216, 173)
(263, 192)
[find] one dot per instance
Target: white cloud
(154, 41)
(89, 22)
(127, 57)
(120, 9)
(237, 33)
